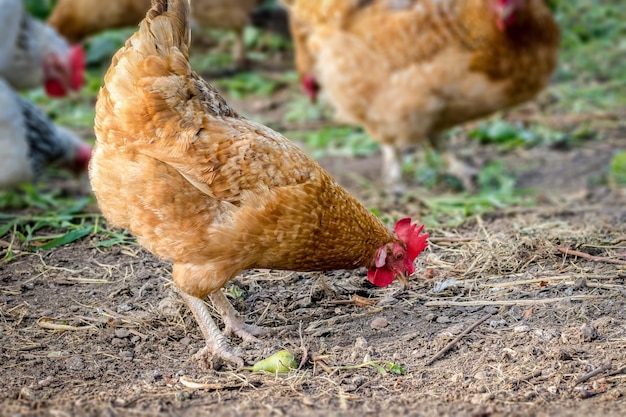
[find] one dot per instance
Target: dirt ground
(545, 320)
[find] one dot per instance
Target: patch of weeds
(41, 9)
(427, 167)
(48, 221)
(496, 191)
(207, 62)
(509, 135)
(112, 237)
(336, 141)
(101, 47)
(617, 172)
(245, 84)
(383, 367)
(300, 109)
(78, 111)
(261, 43)
(39, 219)
(592, 72)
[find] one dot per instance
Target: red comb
(78, 64)
(410, 235)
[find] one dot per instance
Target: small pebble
(521, 329)
(360, 342)
(491, 310)
(443, 319)
(182, 395)
(379, 323)
(75, 363)
(588, 333)
(126, 355)
(122, 333)
(480, 375)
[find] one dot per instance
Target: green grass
(592, 72)
(336, 141)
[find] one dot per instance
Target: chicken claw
(216, 342)
(232, 321)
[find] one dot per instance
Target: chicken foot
(232, 321)
(216, 342)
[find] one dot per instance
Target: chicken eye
(399, 256)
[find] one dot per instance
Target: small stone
(45, 382)
(588, 333)
(456, 378)
(443, 319)
(126, 355)
(182, 396)
(75, 363)
(490, 310)
(553, 390)
(122, 333)
(521, 329)
(360, 343)
(480, 375)
(125, 307)
(379, 323)
(497, 323)
(429, 317)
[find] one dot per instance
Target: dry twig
(597, 371)
(457, 339)
(482, 303)
(527, 377)
(584, 255)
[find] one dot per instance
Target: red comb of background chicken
(310, 87)
(81, 161)
(77, 63)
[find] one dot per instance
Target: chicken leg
(392, 169)
(216, 342)
(232, 321)
(239, 49)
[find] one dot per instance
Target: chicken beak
(404, 280)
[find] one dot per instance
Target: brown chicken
(77, 19)
(215, 193)
(407, 69)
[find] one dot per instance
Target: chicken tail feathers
(168, 23)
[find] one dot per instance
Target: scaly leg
(232, 321)
(392, 168)
(239, 49)
(216, 343)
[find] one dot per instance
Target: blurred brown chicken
(216, 193)
(407, 69)
(77, 19)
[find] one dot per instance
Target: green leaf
(394, 368)
(280, 362)
(67, 238)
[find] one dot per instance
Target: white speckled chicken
(30, 142)
(32, 54)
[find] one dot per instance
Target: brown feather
(206, 188)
